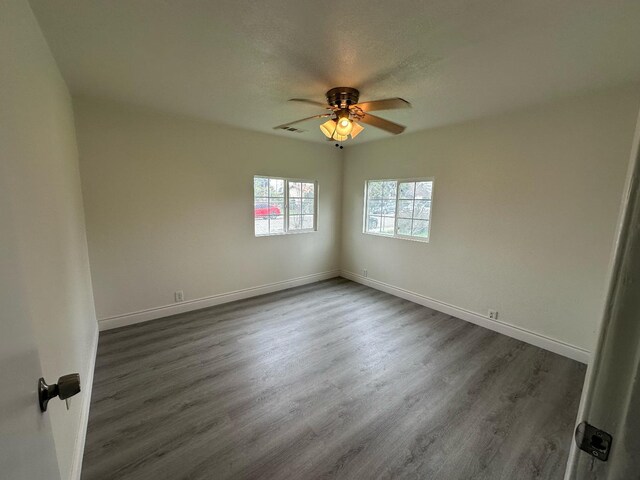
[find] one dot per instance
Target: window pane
(389, 190)
(276, 187)
(373, 224)
(261, 207)
(407, 190)
(295, 206)
(423, 190)
(404, 226)
(389, 207)
(262, 226)
(276, 207)
(260, 187)
(308, 190)
(307, 206)
(388, 225)
(295, 222)
(295, 189)
(276, 224)
(422, 209)
(420, 228)
(375, 207)
(398, 208)
(274, 197)
(307, 221)
(405, 208)
(375, 190)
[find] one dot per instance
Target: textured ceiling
(238, 61)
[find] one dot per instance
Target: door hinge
(594, 441)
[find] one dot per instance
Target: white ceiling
(238, 61)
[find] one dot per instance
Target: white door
(27, 451)
(611, 396)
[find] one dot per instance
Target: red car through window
(263, 210)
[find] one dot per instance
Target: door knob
(67, 386)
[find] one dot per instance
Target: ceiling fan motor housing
(342, 97)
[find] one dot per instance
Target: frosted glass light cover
(344, 127)
(357, 128)
(340, 138)
(328, 128)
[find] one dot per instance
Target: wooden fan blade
(386, 104)
(381, 123)
(310, 102)
(285, 125)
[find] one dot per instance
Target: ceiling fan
(346, 114)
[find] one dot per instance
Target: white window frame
(395, 228)
(287, 180)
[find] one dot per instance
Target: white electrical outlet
(365, 273)
(179, 296)
(493, 314)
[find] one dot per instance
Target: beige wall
(41, 198)
(525, 206)
(524, 210)
(168, 201)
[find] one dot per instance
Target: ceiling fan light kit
(347, 112)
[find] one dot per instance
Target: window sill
(284, 234)
(398, 237)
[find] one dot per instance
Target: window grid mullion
(395, 229)
(286, 207)
(413, 208)
(268, 206)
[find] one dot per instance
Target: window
(398, 208)
(284, 205)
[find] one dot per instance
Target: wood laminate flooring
(328, 380)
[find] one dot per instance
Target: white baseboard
(519, 333)
(87, 387)
(556, 346)
(182, 307)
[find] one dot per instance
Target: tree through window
(399, 208)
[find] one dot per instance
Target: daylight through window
(284, 205)
(398, 208)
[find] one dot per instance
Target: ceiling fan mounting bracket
(342, 97)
